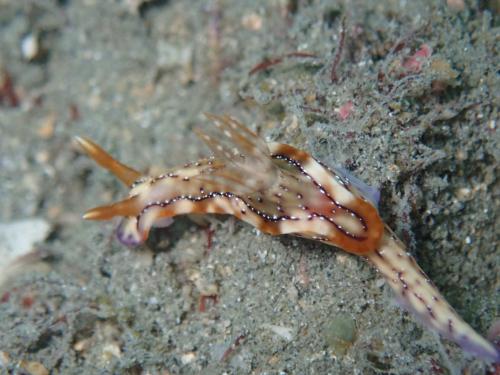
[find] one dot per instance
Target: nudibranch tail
(124, 173)
(417, 293)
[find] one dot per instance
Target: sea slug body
(281, 190)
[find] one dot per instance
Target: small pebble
(340, 333)
(30, 47)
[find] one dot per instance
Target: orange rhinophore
(281, 190)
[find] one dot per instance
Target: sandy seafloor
(423, 80)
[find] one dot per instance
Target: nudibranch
(280, 190)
